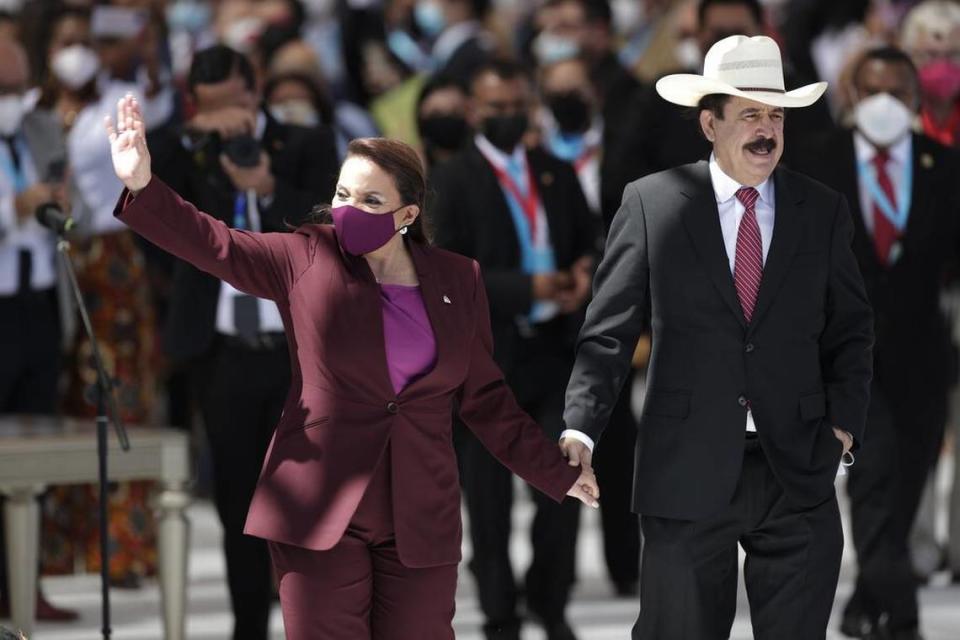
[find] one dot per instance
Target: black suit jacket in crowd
(471, 217)
(304, 163)
(912, 357)
(803, 364)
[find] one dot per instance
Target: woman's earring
(403, 230)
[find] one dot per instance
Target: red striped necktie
(885, 235)
(748, 262)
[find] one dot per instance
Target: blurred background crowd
(250, 105)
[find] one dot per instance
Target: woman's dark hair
(436, 83)
(403, 164)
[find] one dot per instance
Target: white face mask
(550, 48)
(11, 114)
(75, 65)
(628, 15)
(298, 112)
(882, 119)
(687, 53)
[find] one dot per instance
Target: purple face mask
(361, 232)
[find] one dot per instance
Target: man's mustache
(761, 145)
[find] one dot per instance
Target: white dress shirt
(900, 154)
(731, 212)
(27, 235)
(270, 319)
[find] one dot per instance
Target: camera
(243, 150)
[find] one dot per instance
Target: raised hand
(128, 145)
(585, 489)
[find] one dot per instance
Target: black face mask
(570, 110)
(505, 132)
(446, 132)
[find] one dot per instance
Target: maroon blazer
(341, 410)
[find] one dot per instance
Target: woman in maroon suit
(359, 496)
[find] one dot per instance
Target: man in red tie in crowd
(902, 190)
(760, 373)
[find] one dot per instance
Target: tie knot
(881, 158)
(748, 196)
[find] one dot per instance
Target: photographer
(239, 164)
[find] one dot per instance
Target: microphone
(50, 216)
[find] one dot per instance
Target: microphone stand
(106, 399)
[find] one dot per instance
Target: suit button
(749, 348)
(393, 408)
(742, 401)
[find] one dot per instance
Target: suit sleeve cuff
(578, 435)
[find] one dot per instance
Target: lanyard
(240, 220)
(17, 175)
(530, 204)
(897, 216)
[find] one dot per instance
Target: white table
(37, 452)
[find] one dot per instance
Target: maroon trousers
(359, 589)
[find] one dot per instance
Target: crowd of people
(531, 117)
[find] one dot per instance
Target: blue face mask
(188, 15)
(567, 147)
(429, 17)
(549, 48)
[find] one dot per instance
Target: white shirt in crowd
(900, 154)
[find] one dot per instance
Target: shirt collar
(899, 152)
(498, 158)
(725, 187)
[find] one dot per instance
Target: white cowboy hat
(739, 66)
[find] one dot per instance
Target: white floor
(594, 613)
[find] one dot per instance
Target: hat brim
(686, 89)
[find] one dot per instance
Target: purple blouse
(408, 336)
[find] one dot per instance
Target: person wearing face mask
(442, 120)
(522, 215)
(111, 270)
(574, 131)
(902, 189)
(252, 172)
(584, 29)
(669, 140)
(30, 326)
(454, 27)
(931, 35)
(358, 497)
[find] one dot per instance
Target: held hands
(845, 438)
(128, 145)
(585, 489)
(569, 289)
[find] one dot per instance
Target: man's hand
(547, 285)
(573, 297)
(845, 438)
(258, 178)
(585, 489)
(577, 453)
(27, 201)
(229, 122)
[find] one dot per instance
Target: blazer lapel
(702, 220)
(434, 299)
(786, 237)
(849, 182)
(919, 195)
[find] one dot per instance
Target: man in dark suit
(760, 371)
(599, 150)
(243, 167)
(522, 215)
(671, 137)
(905, 203)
